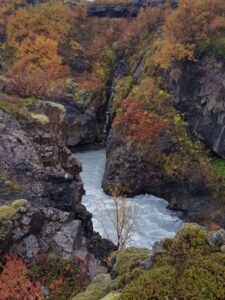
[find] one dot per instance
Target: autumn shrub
(63, 278)
(138, 124)
(194, 23)
(15, 283)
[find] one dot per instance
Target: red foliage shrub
(138, 124)
(14, 282)
(30, 82)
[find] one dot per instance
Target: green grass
(219, 166)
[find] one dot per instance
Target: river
(154, 220)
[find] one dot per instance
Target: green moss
(122, 89)
(15, 108)
(156, 284)
(41, 118)
(219, 166)
(215, 46)
(127, 259)
(190, 238)
(7, 212)
(112, 296)
(98, 289)
(191, 269)
(19, 203)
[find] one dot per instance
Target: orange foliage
(34, 82)
(51, 20)
(41, 52)
(14, 282)
(192, 23)
(7, 7)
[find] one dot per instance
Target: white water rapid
(154, 220)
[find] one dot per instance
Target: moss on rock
(191, 269)
(41, 118)
(127, 259)
(7, 212)
(98, 289)
(112, 296)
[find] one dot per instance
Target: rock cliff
(199, 95)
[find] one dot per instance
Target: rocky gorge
(128, 77)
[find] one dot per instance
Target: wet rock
(216, 238)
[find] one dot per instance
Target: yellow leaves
(34, 32)
(41, 52)
(49, 19)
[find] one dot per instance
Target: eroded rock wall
(200, 96)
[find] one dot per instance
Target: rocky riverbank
(38, 169)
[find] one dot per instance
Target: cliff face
(35, 162)
(200, 96)
(173, 165)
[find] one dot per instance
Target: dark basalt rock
(124, 10)
(35, 231)
(200, 90)
(36, 164)
(134, 169)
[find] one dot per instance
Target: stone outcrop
(83, 116)
(124, 9)
(40, 231)
(35, 163)
(136, 172)
(200, 96)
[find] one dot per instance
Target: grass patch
(219, 166)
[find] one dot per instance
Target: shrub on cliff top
(138, 124)
(191, 25)
(191, 269)
(63, 278)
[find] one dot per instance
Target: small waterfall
(107, 118)
(120, 71)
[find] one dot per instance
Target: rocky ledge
(123, 9)
(33, 231)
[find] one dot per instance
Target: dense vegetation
(49, 50)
